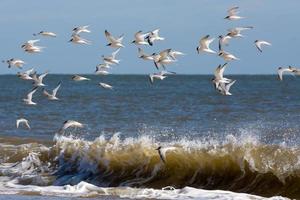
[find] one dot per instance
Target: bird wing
(109, 37)
(56, 89)
(29, 95)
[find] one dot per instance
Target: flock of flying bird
(160, 60)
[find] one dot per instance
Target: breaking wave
(123, 167)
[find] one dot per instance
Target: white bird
(29, 43)
(158, 76)
(114, 42)
(28, 99)
(236, 32)
(13, 62)
(144, 56)
(163, 58)
(103, 66)
(153, 35)
(173, 54)
(140, 38)
(22, 121)
(26, 75)
(79, 29)
(106, 86)
(79, 78)
(54, 92)
(232, 14)
(260, 43)
(225, 87)
(204, 45)
(71, 123)
(162, 152)
(101, 71)
(227, 56)
(111, 60)
(30, 46)
(76, 39)
(34, 49)
(281, 71)
(45, 33)
(38, 81)
(223, 40)
(219, 76)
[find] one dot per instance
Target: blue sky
(182, 23)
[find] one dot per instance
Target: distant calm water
(247, 142)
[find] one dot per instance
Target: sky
(182, 23)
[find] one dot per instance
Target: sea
(244, 146)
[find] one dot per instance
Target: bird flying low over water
(79, 78)
(101, 69)
(162, 152)
(139, 38)
(227, 56)
(81, 29)
(45, 33)
(28, 99)
(106, 86)
(232, 14)
(111, 60)
(260, 43)
(222, 84)
(54, 92)
(225, 87)
(204, 45)
(281, 71)
(114, 42)
(22, 121)
(160, 76)
(26, 75)
(71, 123)
(13, 62)
(38, 80)
(153, 36)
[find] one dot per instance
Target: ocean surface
(244, 146)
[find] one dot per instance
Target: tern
(223, 40)
(106, 86)
(38, 80)
(79, 78)
(45, 33)
(232, 14)
(111, 60)
(22, 121)
(281, 71)
(236, 32)
(79, 29)
(158, 76)
(153, 35)
(26, 75)
(162, 152)
(204, 45)
(54, 92)
(260, 43)
(219, 76)
(28, 99)
(76, 39)
(225, 87)
(71, 123)
(114, 42)
(144, 56)
(140, 38)
(227, 56)
(13, 62)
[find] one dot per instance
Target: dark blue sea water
(179, 106)
(247, 142)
